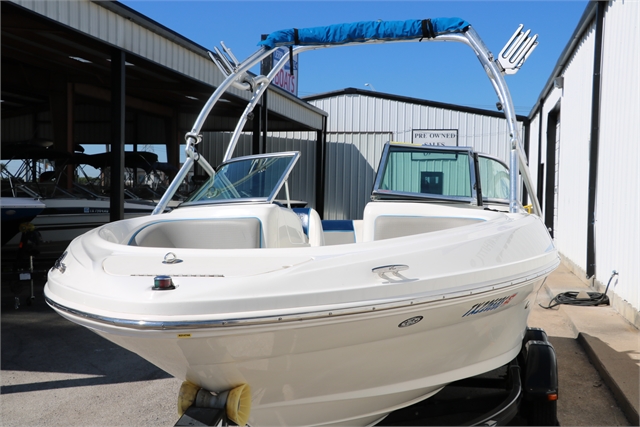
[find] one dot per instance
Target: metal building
(360, 122)
(584, 152)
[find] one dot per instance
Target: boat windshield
(246, 179)
(494, 179)
(412, 171)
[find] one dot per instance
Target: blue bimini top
(360, 32)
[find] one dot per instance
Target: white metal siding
(618, 196)
(534, 155)
(573, 178)
(617, 226)
(278, 103)
(358, 126)
(351, 164)
(556, 168)
(360, 113)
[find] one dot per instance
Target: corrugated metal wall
(360, 113)
(534, 153)
(618, 196)
(573, 179)
(351, 164)
(358, 126)
(556, 170)
(617, 216)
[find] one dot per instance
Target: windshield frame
(195, 198)
(380, 194)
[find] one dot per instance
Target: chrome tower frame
(519, 47)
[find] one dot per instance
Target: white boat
(336, 327)
(71, 213)
(67, 212)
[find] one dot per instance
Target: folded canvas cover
(365, 31)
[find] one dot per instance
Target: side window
(494, 179)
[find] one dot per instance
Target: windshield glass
(426, 172)
(252, 178)
(494, 179)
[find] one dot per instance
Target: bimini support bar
(447, 29)
(517, 159)
(494, 72)
(193, 137)
(263, 84)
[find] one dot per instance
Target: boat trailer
(522, 392)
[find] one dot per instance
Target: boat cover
(365, 31)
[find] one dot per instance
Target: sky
(443, 72)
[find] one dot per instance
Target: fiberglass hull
(318, 336)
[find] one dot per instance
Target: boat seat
(390, 226)
(387, 220)
(224, 233)
(311, 225)
(338, 231)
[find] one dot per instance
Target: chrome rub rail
(311, 315)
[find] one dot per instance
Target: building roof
(409, 100)
(47, 45)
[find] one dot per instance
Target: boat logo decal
(489, 305)
(410, 322)
(184, 335)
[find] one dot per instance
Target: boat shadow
(43, 351)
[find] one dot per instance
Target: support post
(256, 128)
(595, 141)
(321, 142)
(116, 211)
(264, 122)
(550, 173)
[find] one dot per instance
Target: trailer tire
(543, 413)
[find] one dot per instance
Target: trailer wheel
(543, 413)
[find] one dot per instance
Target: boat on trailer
(254, 304)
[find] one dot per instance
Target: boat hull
(323, 335)
(351, 369)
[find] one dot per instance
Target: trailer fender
(540, 376)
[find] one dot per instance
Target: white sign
(437, 137)
(284, 79)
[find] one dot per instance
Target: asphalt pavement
(55, 373)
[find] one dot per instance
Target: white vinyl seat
(235, 233)
(387, 220)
